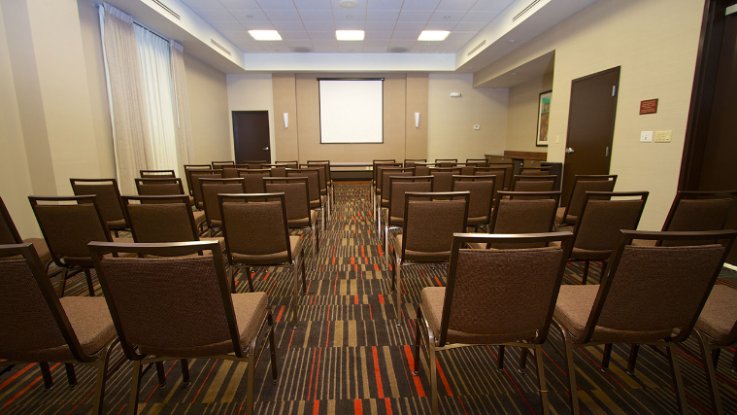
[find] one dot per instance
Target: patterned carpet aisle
(349, 354)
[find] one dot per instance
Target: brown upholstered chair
(211, 188)
(446, 162)
(195, 317)
(221, 164)
(254, 179)
(68, 225)
(470, 166)
(700, 211)
(256, 234)
(322, 181)
(152, 174)
(533, 183)
(328, 178)
(168, 187)
(717, 329)
(602, 216)
(430, 219)
(278, 170)
(296, 197)
(648, 295)
(508, 173)
(108, 200)
(482, 189)
(484, 303)
(191, 167)
(524, 212)
(313, 184)
(414, 162)
(398, 186)
(195, 176)
(293, 164)
(422, 169)
(443, 181)
(377, 180)
(9, 235)
(501, 174)
(382, 190)
(253, 164)
(582, 184)
(37, 326)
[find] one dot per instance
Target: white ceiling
(309, 25)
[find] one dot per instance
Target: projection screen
(351, 111)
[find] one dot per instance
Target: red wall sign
(649, 106)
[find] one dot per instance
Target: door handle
(265, 148)
(570, 150)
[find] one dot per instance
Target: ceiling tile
(427, 5)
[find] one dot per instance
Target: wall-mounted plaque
(649, 106)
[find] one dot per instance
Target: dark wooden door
(710, 153)
(590, 126)
(251, 136)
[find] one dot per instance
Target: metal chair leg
(500, 358)
(46, 374)
(135, 385)
(71, 374)
(571, 365)
(102, 365)
(418, 339)
(433, 379)
(677, 381)
(607, 357)
(272, 349)
(161, 374)
(250, 381)
(185, 372)
(542, 387)
(711, 378)
(632, 361)
(585, 272)
(90, 286)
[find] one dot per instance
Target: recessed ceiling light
(433, 35)
(350, 35)
(265, 34)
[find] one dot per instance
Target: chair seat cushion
(91, 321)
(117, 224)
(573, 307)
(250, 311)
(719, 315)
(199, 217)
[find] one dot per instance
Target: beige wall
(252, 92)
(657, 61)
(208, 108)
(451, 120)
(522, 117)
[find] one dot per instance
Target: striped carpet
(350, 354)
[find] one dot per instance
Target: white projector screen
(351, 111)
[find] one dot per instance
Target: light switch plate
(646, 136)
(662, 136)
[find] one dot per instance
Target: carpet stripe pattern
(349, 352)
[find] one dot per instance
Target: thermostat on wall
(455, 94)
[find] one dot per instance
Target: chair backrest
(33, 320)
(313, 184)
(296, 198)
(68, 224)
(398, 187)
(651, 293)
(581, 185)
(382, 183)
(477, 162)
(230, 172)
(254, 179)
(168, 306)
(210, 190)
(322, 175)
(482, 189)
(422, 170)
(503, 295)
(514, 214)
(443, 178)
(533, 183)
(378, 167)
(8, 232)
(288, 163)
(700, 211)
(195, 176)
(508, 170)
(603, 215)
(326, 163)
(148, 174)
(253, 164)
(189, 168)
(161, 218)
(414, 162)
(499, 172)
(108, 198)
(430, 220)
(534, 171)
(159, 186)
(446, 162)
(255, 228)
(221, 164)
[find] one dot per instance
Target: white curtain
(125, 88)
(155, 65)
(182, 126)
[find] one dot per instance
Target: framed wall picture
(543, 117)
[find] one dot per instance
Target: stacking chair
(700, 210)
(108, 200)
(9, 235)
(231, 172)
(446, 162)
(68, 225)
(296, 197)
(470, 166)
(533, 171)
(484, 303)
(168, 187)
(278, 170)
(482, 189)
(254, 179)
(195, 176)
(256, 234)
(414, 162)
(423, 169)
(221, 164)
(313, 188)
(211, 188)
(152, 174)
(323, 182)
(398, 186)
(443, 181)
(602, 216)
(191, 167)
(376, 182)
(382, 190)
(430, 220)
(648, 295)
(533, 183)
(508, 173)
(253, 164)
(37, 326)
(581, 185)
(499, 172)
(329, 179)
(292, 164)
(180, 308)
(524, 212)
(717, 329)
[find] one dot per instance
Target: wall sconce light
(286, 120)
(417, 120)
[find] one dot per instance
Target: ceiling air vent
(167, 9)
(219, 46)
(524, 11)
